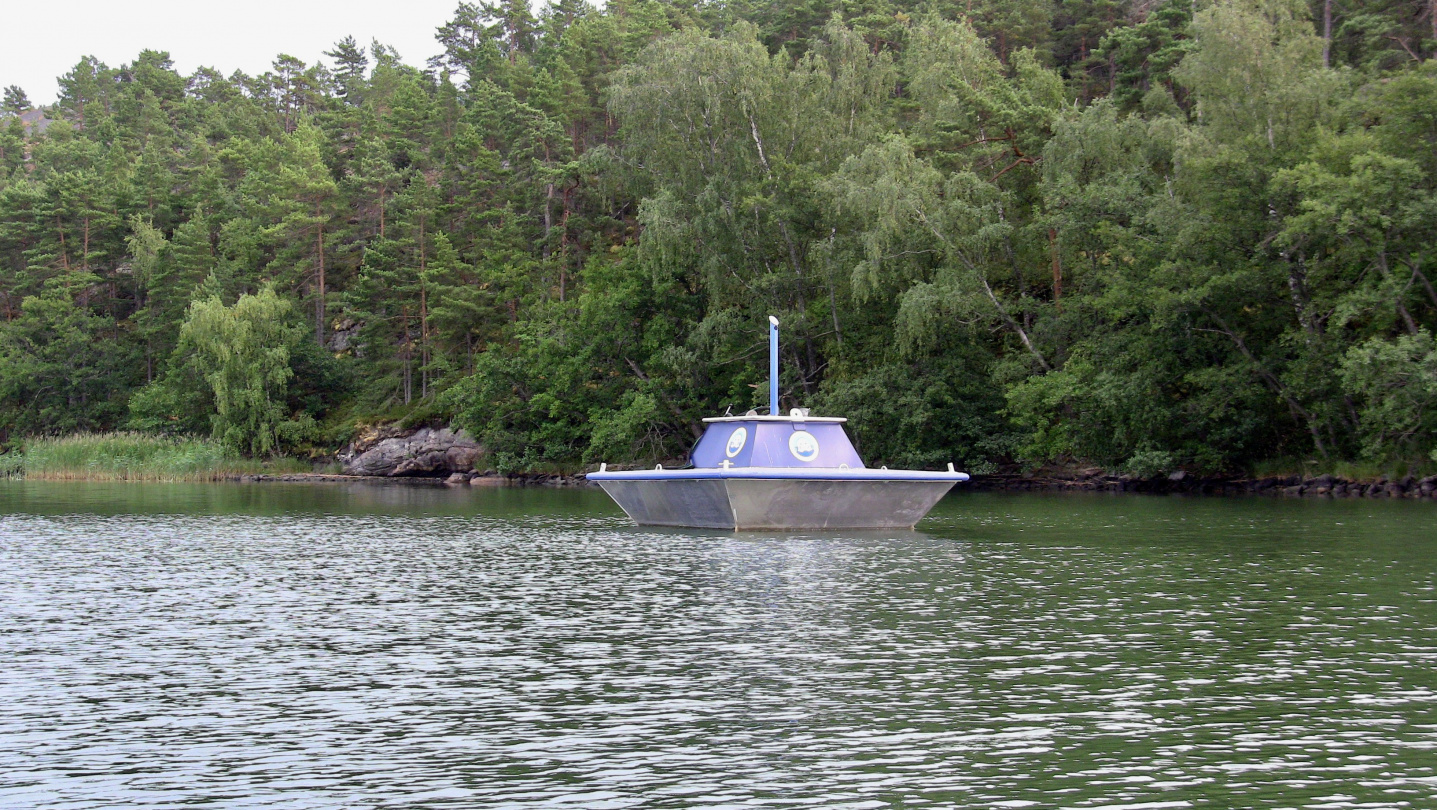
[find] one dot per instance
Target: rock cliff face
(425, 452)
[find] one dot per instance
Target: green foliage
(924, 413)
(587, 378)
(1139, 59)
(1150, 463)
(15, 100)
(1088, 231)
(1395, 384)
(244, 352)
(60, 368)
(178, 404)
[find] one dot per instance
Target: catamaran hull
(758, 503)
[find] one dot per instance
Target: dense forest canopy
(1144, 234)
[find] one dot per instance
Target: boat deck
(779, 473)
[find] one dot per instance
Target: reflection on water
(357, 646)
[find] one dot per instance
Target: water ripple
(1021, 652)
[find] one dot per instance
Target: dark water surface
(315, 646)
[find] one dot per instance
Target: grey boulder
(426, 452)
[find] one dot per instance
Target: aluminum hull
(754, 503)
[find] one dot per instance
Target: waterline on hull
(765, 503)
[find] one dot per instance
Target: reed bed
(135, 457)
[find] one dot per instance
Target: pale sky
(42, 39)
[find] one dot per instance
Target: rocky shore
(487, 478)
(1322, 486)
(421, 456)
(440, 456)
(1096, 480)
(428, 452)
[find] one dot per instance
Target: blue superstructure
(764, 442)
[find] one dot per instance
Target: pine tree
(350, 65)
(15, 100)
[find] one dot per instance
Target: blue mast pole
(772, 366)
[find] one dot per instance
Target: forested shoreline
(1146, 236)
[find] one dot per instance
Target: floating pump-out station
(792, 471)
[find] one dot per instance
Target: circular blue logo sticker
(803, 446)
(736, 441)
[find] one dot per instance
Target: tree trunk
(406, 356)
(64, 252)
(423, 315)
(668, 403)
(1012, 324)
(319, 299)
(423, 340)
(1298, 412)
(1402, 311)
(1418, 275)
(548, 217)
(1003, 314)
(832, 296)
(1057, 269)
(1327, 33)
(564, 244)
(812, 369)
(1297, 291)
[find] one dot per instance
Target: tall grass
(135, 457)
